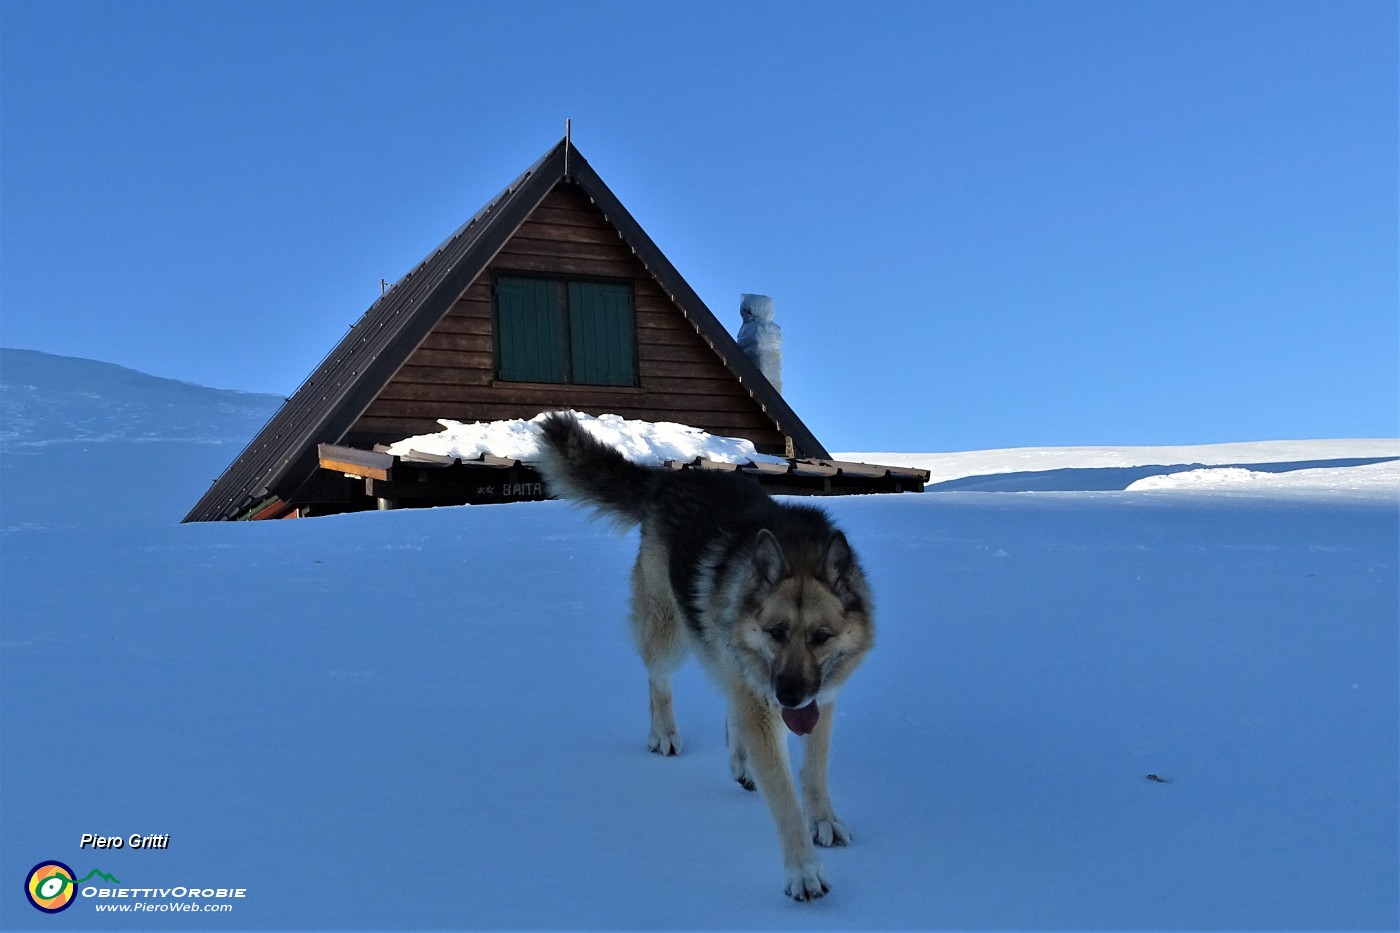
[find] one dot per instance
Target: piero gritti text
(134, 841)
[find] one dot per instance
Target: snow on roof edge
(644, 442)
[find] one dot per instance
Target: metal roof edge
(271, 458)
(691, 304)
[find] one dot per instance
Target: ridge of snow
(1348, 466)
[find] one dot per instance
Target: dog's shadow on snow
(1116, 479)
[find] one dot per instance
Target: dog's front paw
(830, 832)
(740, 769)
(806, 882)
(667, 742)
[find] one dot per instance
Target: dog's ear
(837, 562)
(769, 564)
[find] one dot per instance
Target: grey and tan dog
(769, 595)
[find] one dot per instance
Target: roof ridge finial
(568, 143)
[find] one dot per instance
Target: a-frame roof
(283, 455)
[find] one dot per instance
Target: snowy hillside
(1337, 467)
(47, 399)
(434, 719)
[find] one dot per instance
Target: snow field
(435, 719)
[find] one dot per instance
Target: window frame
(562, 283)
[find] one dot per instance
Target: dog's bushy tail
(578, 466)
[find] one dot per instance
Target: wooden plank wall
(452, 375)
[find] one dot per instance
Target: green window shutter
(530, 330)
(602, 334)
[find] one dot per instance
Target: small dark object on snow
(1157, 780)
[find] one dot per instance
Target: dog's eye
(778, 633)
(819, 638)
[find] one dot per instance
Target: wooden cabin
(551, 296)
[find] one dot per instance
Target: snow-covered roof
(647, 442)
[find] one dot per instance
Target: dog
(769, 595)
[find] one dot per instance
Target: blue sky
(984, 224)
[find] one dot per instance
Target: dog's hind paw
(806, 882)
(830, 832)
(665, 743)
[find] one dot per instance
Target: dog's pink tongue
(803, 720)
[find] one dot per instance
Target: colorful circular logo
(50, 886)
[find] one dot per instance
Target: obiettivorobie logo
(52, 886)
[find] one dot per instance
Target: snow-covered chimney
(760, 338)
